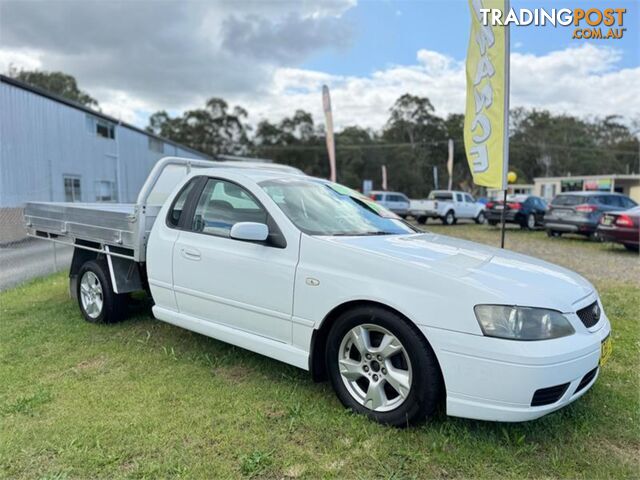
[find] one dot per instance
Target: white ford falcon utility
(318, 276)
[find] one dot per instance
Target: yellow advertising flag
(486, 121)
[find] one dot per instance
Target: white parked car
(448, 206)
(397, 202)
(316, 275)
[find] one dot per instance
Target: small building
(53, 149)
(627, 184)
(513, 189)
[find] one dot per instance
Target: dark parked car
(525, 210)
(580, 212)
(621, 227)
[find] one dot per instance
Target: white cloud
(136, 58)
(579, 81)
(19, 58)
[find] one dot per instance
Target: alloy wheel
(91, 294)
(449, 218)
(375, 367)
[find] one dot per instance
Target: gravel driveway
(29, 259)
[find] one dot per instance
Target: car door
(397, 204)
(540, 209)
(461, 206)
(241, 284)
(470, 206)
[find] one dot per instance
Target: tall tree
(57, 83)
(213, 130)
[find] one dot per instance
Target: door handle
(190, 254)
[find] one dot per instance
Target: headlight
(522, 323)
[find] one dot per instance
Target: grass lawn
(146, 399)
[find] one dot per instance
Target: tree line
(411, 143)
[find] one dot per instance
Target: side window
(221, 205)
(459, 197)
(610, 200)
(173, 219)
(469, 198)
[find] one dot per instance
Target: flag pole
(502, 219)
(331, 146)
(505, 162)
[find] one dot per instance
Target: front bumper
(494, 379)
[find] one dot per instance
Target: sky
(273, 56)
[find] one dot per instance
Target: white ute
(448, 206)
(318, 276)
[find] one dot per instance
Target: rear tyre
(380, 366)
(449, 218)
(596, 237)
(421, 220)
(553, 233)
(493, 223)
(480, 219)
(631, 248)
(96, 298)
(529, 222)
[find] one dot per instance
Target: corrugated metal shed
(52, 148)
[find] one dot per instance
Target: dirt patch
(233, 373)
(93, 364)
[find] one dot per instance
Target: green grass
(146, 399)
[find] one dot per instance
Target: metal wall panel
(42, 140)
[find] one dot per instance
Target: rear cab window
(445, 196)
(178, 206)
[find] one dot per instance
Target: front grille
(590, 314)
(547, 396)
(586, 380)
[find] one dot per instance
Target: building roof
(78, 106)
(614, 176)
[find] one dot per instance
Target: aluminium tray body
(107, 224)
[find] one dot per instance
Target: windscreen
(323, 208)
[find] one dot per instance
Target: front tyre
(480, 219)
(449, 218)
(382, 367)
(96, 298)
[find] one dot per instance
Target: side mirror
(249, 231)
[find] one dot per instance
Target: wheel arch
(318, 345)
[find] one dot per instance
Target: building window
(105, 191)
(106, 130)
(99, 127)
(72, 192)
(156, 145)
